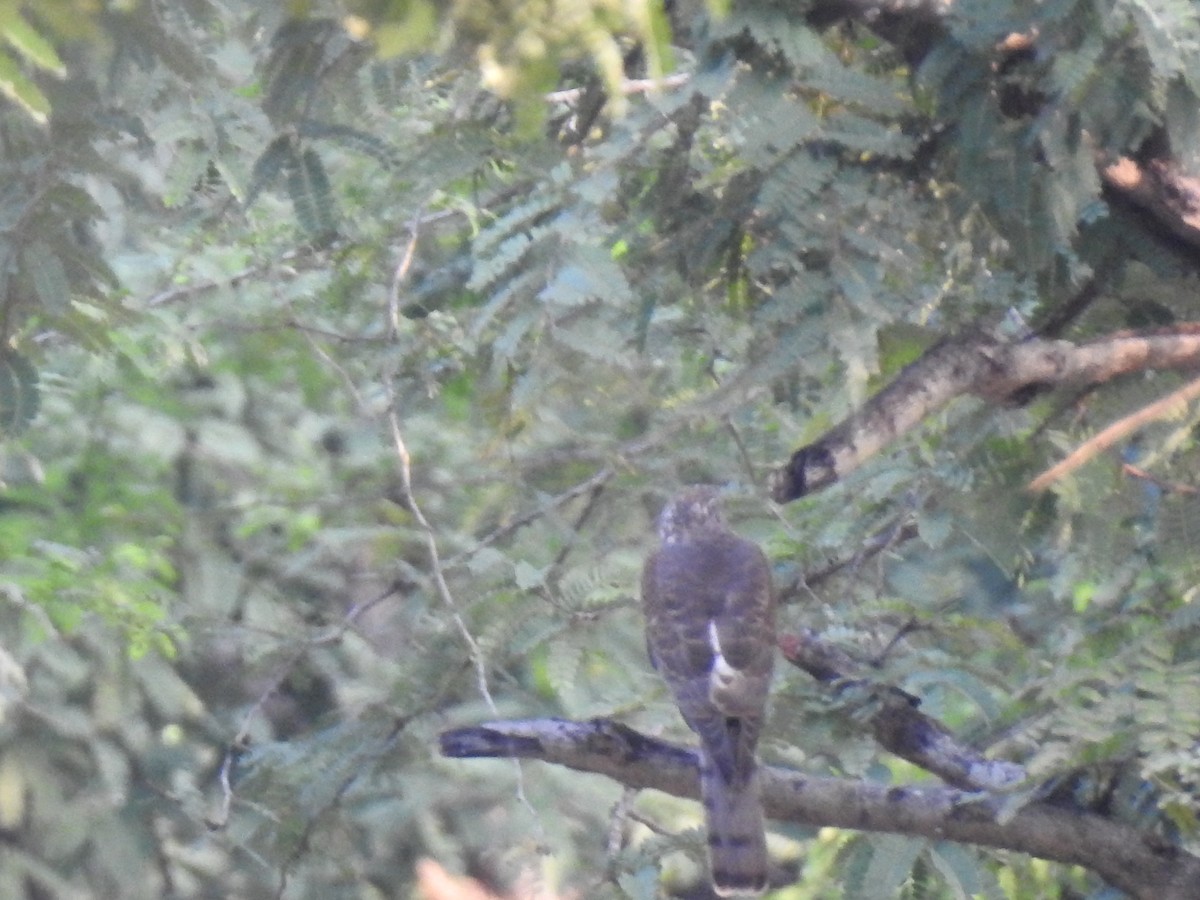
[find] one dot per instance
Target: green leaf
(30, 43)
(414, 29)
(279, 153)
(50, 282)
(15, 86)
(355, 139)
(528, 576)
(312, 195)
(935, 527)
(19, 394)
(892, 860)
(959, 868)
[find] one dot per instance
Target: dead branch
(1122, 428)
(985, 367)
(1171, 487)
(1146, 868)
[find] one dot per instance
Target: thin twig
(408, 498)
(1173, 487)
(616, 822)
(1115, 432)
(238, 741)
(409, 501)
(898, 531)
(333, 364)
(648, 823)
(401, 275)
(435, 559)
(184, 291)
(628, 87)
(179, 292)
(589, 507)
(743, 452)
(310, 826)
(597, 479)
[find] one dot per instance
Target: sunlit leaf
(17, 87)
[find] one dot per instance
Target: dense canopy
(349, 351)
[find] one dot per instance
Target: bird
(710, 633)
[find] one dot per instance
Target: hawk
(710, 632)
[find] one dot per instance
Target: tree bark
(985, 367)
(896, 722)
(1144, 867)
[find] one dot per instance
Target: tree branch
(986, 367)
(897, 725)
(1161, 189)
(1127, 859)
(1117, 431)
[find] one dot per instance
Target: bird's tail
(737, 841)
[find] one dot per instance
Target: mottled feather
(710, 632)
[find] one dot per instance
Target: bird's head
(695, 510)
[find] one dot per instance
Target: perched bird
(710, 632)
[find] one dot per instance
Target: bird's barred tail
(737, 842)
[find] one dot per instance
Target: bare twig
(596, 480)
(747, 462)
(896, 532)
(589, 507)
(404, 465)
(437, 572)
(305, 255)
(400, 275)
(187, 291)
(221, 818)
(1174, 487)
(622, 813)
(335, 365)
(1122, 428)
(628, 87)
(409, 500)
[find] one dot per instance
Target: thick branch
(897, 725)
(1147, 869)
(985, 367)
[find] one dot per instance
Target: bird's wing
(742, 632)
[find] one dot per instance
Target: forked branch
(985, 367)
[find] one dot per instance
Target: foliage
(338, 394)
